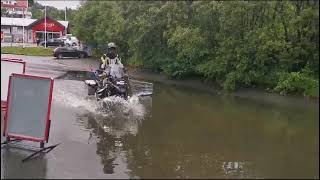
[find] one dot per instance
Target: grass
(29, 51)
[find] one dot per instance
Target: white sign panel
(8, 67)
(28, 108)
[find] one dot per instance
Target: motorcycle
(103, 85)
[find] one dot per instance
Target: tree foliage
(37, 11)
(235, 43)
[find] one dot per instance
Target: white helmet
(112, 45)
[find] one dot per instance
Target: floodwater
(175, 133)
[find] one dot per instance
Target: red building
(53, 28)
(13, 30)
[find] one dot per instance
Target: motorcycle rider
(108, 59)
(110, 56)
(111, 71)
(111, 62)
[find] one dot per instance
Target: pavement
(76, 156)
(52, 67)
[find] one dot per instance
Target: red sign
(14, 3)
(50, 26)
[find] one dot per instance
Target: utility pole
(45, 25)
(11, 29)
(23, 27)
(65, 18)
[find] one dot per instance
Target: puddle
(186, 133)
(77, 75)
(71, 91)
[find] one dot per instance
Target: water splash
(74, 94)
(114, 115)
(116, 106)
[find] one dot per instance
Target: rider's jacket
(108, 59)
(116, 70)
(108, 64)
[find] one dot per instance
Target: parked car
(71, 41)
(61, 52)
(53, 42)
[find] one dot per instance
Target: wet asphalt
(76, 156)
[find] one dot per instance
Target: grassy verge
(29, 51)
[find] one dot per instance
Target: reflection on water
(186, 134)
(110, 132)
(193, 135)
(108, 124)
(13, 168)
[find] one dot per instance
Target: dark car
(53, 42)
(61, 52)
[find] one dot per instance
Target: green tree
(271, 44)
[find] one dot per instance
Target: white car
(72, 41)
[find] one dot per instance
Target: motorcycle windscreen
(29, 105)
(9, 66)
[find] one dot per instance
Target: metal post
(11, 28)
(45, 25)
(23, 29)
(65, 18)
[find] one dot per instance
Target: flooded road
(176, 133)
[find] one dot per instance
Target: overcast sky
(60, 4)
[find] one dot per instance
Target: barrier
(28, 108)
(9, 66)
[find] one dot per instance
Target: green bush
(298, 82)
(230, 83)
